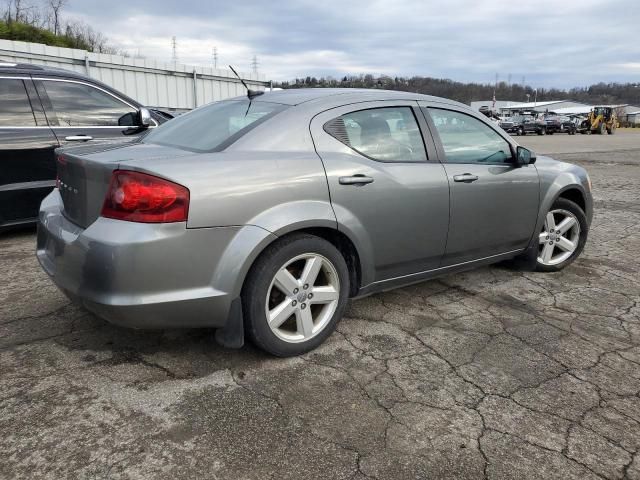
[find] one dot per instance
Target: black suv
(560, 124)
(42, 108)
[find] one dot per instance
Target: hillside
(605, 93)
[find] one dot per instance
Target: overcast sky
(551, 43)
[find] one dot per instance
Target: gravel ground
(487, 374)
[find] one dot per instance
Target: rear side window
(388, 134)
(15, 109)
(77, 104)
(214, 126)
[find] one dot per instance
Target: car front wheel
(562, 237)
(295, 294)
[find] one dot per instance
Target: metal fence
(171, 86)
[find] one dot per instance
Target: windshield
(214, 126)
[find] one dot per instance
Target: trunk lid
(84, 174)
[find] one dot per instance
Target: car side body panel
(148, 275)
(496, 213)
(401, 218)
(555, 179)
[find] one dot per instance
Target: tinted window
(15, 109)
(211, 127)
(77, 104)
(389, 134)
(466, 139)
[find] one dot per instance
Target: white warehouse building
(542, 107)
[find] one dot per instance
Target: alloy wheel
(302, 298)
(559, 237)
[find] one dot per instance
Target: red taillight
(138, 197)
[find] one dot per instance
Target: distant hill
(604, 93)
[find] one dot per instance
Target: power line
(215, 57)
(254, 64)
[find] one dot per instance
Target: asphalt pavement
(492, 373)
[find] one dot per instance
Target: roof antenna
(250, 93)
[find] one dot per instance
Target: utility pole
(174, 48)
(254, 64)
(495, 87)
(215, 57)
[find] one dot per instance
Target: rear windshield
(214, 126)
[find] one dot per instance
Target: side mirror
(144, 118)
(525, 156)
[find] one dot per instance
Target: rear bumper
(146, 275)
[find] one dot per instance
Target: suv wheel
(295, 294)
(542, 131)
(562, 237)
(521, 131)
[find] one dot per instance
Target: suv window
(466, 139)
(78, 104)
(15, 108)
(387, 134)
(214, 126)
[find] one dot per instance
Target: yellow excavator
(600, 120)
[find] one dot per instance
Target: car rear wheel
(562, 237)
(295, 294)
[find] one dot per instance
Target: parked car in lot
(265, 215)
(560, 124)
(523, 124)
(43, 108)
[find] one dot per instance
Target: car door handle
(465, 177)
(78, 138)
(355, 180)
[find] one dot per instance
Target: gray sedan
(262, 216)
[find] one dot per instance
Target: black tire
(612, 130)
(256, 287)
(521, 131)
(564, 204)
(542, 131)
(602, 128)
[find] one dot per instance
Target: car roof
(35, 71)
(297, 96)
(29, 69)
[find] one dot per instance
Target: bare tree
(621, 115)
(55, 8)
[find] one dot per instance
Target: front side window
(466, 139)
(388, 134)
(212, 126)
(15, 109)
(78, 104)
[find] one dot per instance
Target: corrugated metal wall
(154, 84)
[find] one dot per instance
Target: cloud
(550, 43)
